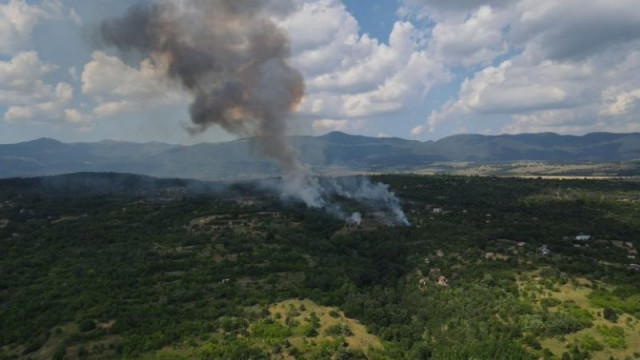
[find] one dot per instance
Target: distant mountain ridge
(333, 151)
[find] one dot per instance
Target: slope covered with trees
(168, 269)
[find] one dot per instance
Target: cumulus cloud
(352, 76)
(118, 87)
(447, 10)
(573, 65)
(477, 39)
(18, 18)
(417, 131)
(572, 29)
(326, 125)
(26, 96)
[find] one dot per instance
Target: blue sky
(420, 69)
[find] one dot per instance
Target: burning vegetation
(233, 60)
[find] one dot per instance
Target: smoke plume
(230, 56)
(375, 195)
(233, 59)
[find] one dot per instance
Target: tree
(610, 314)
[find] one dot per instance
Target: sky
(417, 69)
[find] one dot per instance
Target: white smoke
(326, 193)
(233, 59)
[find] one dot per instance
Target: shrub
(549, 302)
(610, 314)
(532, 342)
(613, 336)
(269, 329)
(86, 325)
(590, 343)
(338, 330)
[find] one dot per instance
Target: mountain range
(334, 151)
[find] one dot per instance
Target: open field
(577, 293)
(535, 169)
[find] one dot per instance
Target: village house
(635, 267)
(544, 250)
(442, 280)
(583, 237)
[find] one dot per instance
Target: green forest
(108, 266)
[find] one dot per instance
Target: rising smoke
(234, 61)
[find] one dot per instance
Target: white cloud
(73, 73)
(74, 116)
(18, 18)
(326, 125)
(352, 76)
(573, 29)
(73, 15)
(26, 96)
(118, 87)
(477, 39)
(620, 103)
(575, 68)
(417, 131)
(448, 11)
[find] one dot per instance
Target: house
(489, 256)
(426, 260)
(635, 267)
(544, 250)
(423, 282)
(437, 211)
(224, 281)
(440, 253)
(522, 244)
(583, 237)
(434, 271)
(442, 280)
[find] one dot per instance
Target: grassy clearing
(328, 317)
(310, 330)
(604, 339)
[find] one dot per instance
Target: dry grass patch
(579, 295)
(360, 339)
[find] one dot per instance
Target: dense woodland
(107, 266)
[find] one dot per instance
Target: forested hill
(335, 150)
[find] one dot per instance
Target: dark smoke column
(233, 59)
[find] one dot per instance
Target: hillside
(330, 152)
(94, 267)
